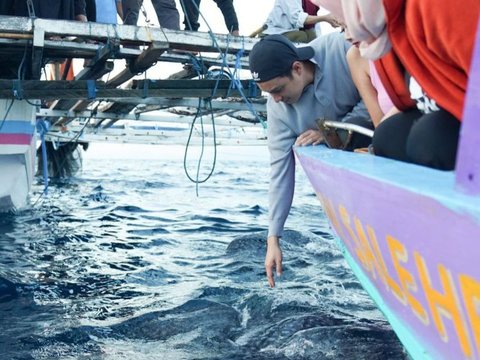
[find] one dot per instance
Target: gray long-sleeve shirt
(332, 95)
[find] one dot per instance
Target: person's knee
(433, 141)
(296, 36)
(390, 137)
(382, 140)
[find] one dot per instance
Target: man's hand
(333, 21)
(273, 259)
(309, 137)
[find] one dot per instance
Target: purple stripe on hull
(468, 157)
(15, 139)
(421, 255)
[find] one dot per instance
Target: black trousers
(51, 9)
(91, 10)
(166, 10)
(6, 7)
(191, 11)
(424, 139)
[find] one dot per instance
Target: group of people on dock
(105, 11)
(401, 70)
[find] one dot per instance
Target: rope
(31, 9)
(236, 83)
(235, 77)
(182, 3)
(42, 128)
(145, 15)
(196, 181)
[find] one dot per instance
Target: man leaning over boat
(305, 84)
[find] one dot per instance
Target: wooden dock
(121, 95)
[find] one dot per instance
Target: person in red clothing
(311, 9)
(423, 50)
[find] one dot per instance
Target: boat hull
(17, 153)
(412, 240)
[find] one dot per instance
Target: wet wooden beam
(134, 35)
(97, 90)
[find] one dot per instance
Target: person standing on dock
(191, 9)
(166, 10)
(104, 11)
(48, 9)
(305, 84)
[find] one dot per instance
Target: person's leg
(191, 11)
(433, 140)
(311, 34)
(390, 138)
(131, 8)
(229, 15)
(91, 10)
(167, 14)
(47, 9)
(6, 7)
(296, 36)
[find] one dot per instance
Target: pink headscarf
(365, 19)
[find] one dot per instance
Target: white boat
(17, 153)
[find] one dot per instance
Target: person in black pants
(6, 7)
(191, 11)
(428, 139)
(52, 9)
(166, 10)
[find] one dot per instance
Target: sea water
(126, 261)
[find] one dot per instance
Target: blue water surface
(124, 261)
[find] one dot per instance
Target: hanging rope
(197, 181)
(42, 129)
(237, 84)
(31, 9)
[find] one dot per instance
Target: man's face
(284, 88)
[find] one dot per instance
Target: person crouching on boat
(423, 59)
(305, 84)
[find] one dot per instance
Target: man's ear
(297, 67)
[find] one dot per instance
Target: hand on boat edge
(309, 137)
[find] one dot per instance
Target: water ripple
(117, 264)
